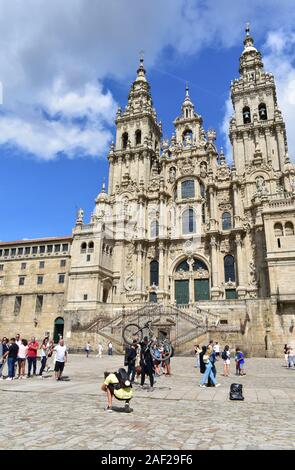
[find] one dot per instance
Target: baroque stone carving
(129, 282)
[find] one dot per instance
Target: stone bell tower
(257, 128)
(135, 154)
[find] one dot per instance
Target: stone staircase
(187, 324)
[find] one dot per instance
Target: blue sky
(65, 72)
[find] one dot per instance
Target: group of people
(206, 357)
(18, 353)
(99, 349)
(141, 363)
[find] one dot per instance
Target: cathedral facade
(178, 226)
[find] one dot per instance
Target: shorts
(111, 388)
(241, 366)
(20, 360)
(227, 362)
(157, 363)
(59, 366)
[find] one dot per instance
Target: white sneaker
(217, 385)
(202, 386)
(9, 378)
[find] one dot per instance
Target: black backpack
(123, 379)
(224, 355)
(236, 392)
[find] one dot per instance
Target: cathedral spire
(141, 70)
(250, 60)
(187, 105)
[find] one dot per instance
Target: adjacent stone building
(211, 246)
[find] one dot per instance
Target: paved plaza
(45, 414)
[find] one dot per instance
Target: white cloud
(280, 59)
(224, 129)
(55, 56)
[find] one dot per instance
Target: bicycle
(160, 349)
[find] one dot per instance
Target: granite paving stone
(178, 414)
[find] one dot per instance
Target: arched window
(187, 137)
(90, 246)
(229, 269)
(202, 190)
(187, 189)
(124, 140)
(188, 221)
(199, 264)
(289, 229)
(262, 112)
(278, 228)
(154, 228)
(154, 273)
(226, 221)
(183, 266)
(246, 115)
(83, 247)
(138, 137)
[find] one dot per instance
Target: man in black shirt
(146, 363)
(11, 355)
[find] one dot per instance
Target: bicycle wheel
(163, 346)
(132, 332)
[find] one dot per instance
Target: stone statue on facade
(172, 175)
(129, 283)
(80, 215)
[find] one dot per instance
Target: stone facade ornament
(225, 246)
(172, 175)
(80, 215)
(187, 168)
(252, 272)
(203, 170)
(188, 248)
(129, 282)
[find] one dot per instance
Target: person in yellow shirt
(116, 384)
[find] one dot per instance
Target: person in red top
(33, 346)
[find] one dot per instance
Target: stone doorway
(58, 329)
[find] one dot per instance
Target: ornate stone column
(212, 203)
(215, 291)
(236, 205)
(161, 266)
(281, 146)
(162, 217)
(241, 289)
(141, 224)
(139, 268)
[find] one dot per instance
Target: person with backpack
(197, 352)
(117, 384)
(240, 362)
(225, 355)
(208, 371)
